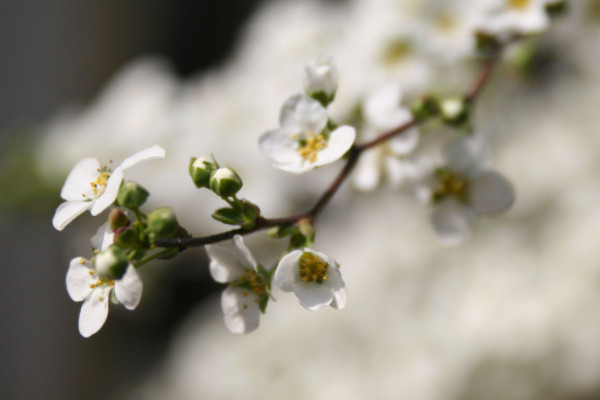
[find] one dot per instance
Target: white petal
(338, 287)
(68, 211)
(103, 238)
(491, 193)
(405, 142)
(313, 295)
(298, 166)
(241, 312)
(78, 181)
(94, 311)
(79, 279)
(468, 155)
(243, 255)
(144, 155)
(286, 274)
(279, 145)
(110, 193)
(304, 114)
(452, 222)
(128, 289)
(224, 266)
(367, 171)
(382, 108)
(340, 141)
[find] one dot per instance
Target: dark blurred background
(60, 52)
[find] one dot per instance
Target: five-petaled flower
(516, 16)
(232, 263)
(93, 187)
(313, 277)
(84, 284)
(304, 141)
(464, 188)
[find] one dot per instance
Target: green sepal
(487, 44)
(126, 237)
(557, 8)
(229, 216)
(162, 223)
(201, 170)
(425, 107)
(132, 195)
(250, 214)
(282, 230)
(263, 301)
(266, 274)
(323, 97)
(298, 240)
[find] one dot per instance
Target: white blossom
(93, 187)
(313, 277)
(232, 263)
(516, 16)
(83, 284)
(302, 142)
(465, 188)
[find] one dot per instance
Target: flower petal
(367, 172)
(224, 266)
(468, 156)
(340, 141)
(103, 238)
(79, 279)
(304, 114)
(243, 255)
(404, 143)
(68, 211)
(78, 181)
(491, 193)
(94, 311)
(313, 295)
(286, 274)
(128, 289)
(240, 310)
(110, 193)
(452, 222)
(279, 145)
(338, 287)
(144, 155)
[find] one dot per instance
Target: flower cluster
(388, 119)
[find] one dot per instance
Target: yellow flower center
(313, 268)
(99, 184)
(311, 146)
(252, 281)
(445, 22)
(518, 4)
(451, 184)
(101, 282)
(396, 50)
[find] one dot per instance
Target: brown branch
(353, 155)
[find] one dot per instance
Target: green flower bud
(424, 107)
(132, 195)
(454, 110)
(117, 219)
(111, 263)
(126, 237)
(556, 8)
(162, 222)
(201, 169)
(225, 182)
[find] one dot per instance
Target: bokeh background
(511, 314)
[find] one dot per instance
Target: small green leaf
(229, 216)
(262, 303)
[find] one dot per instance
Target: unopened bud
(132, 195)
(424, 107)
(454, 110)
(201, 169)
(111, 263)
(321, 79)
(225, 182)
(117, 219)
(126, 237)
(162, 222)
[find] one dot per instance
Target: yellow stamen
(100, 298)
(312, 146)
(451, 184)
(518, 4)
(313, 268)
(396, 50)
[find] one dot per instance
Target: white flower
(83, 284)
(382, 112)
(232, 263)
(321, 78)
(93, 187)
(516, 16)
(302, 142)
(313, 277)
(466, 188)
